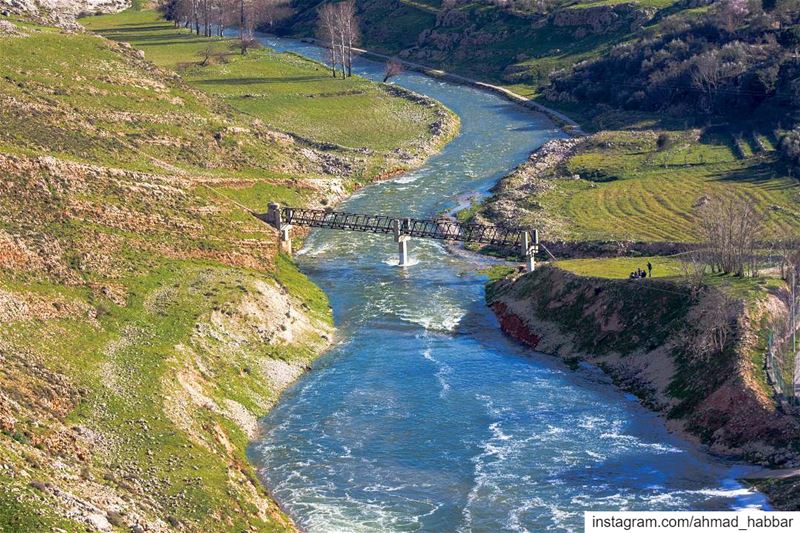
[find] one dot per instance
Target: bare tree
(327, 32)
(731, 228)
(706, 75)
(714, 322)
(207, 55)
(207, 16)
(693, 267)
(274, 11)
(247, 21)
(731, 13)
(393, 68)
(337, 28)
(789, 251)
(245, 25)
(348, 26)
(211, 17)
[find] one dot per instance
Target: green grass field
(672, 268)
(621, 267)
(285, 91)
(632, 191)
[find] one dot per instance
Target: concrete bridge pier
(402, 242)
(274, 218)
(403, 250)
(530, 245)
(286, 239)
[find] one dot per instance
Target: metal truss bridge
(283, 218)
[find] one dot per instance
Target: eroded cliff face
(659, 340)
(137, 355)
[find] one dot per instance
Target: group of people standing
(640, 273)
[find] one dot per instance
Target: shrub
(663, 142)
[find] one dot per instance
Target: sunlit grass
(630, 190)
(621, 267)
(285, 91)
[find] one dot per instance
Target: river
(424, 417)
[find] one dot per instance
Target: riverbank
(652, 338)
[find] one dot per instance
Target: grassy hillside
(619, 185)
(147, 318)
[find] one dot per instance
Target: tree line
(211, 17)
(337, 26)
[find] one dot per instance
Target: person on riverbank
(650, 269)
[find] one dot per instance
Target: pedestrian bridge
(284, 218)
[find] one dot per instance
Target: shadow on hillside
(164, 40)
(258, 81)
(135, 28)
(759, 173)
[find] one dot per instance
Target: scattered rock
(116, 518)
(511, 201)
(99, 521)
(10, 29)
(701, 202)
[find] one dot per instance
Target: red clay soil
(513, 326)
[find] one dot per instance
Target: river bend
(424, 417)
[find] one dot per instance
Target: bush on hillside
(727, 64)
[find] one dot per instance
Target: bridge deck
(441, 229)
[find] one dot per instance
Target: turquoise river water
(424, 417)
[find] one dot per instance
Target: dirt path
(773, 473)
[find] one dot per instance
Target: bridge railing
(440, 229)
(283, 218)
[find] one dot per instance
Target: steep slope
(513, 43)
(693, 356)
(147, 318)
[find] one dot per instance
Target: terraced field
(630, 190)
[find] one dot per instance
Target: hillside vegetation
(620, 186)
(148, 320)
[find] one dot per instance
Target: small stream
(424, 417)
